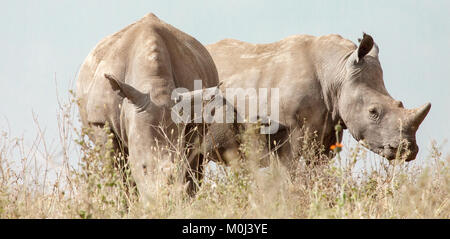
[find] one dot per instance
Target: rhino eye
(374, 113)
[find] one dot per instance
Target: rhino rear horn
(365, 45)
(135, 96)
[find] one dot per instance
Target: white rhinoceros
(127, 81)
(324, 80)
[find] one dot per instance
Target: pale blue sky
(43, 40)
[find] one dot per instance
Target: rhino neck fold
(331, 74)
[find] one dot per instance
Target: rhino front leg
(110, 145)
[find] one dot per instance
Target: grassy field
(81, 180)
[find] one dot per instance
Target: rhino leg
(98, 134)
(217, 142)
(191, 172)
(194, 172)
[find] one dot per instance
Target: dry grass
(83, 181)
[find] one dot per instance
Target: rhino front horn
(134, 95)
(419, 114)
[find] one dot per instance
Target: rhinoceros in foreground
(323, 81)
(127, 81)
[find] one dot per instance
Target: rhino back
(150, 55)
(284, 64)
(292, 66)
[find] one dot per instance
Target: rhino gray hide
(324, 80)
(127, 81)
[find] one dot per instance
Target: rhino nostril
(388, 151)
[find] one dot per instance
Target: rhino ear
(365, 46)
(374, 51)
(135, 96)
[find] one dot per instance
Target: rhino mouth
(391, 152)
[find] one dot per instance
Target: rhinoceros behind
(127, 81)
(325, 80)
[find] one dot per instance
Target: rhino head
(370, 113)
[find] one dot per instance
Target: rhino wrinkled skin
(323, 81)
(126, 81)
